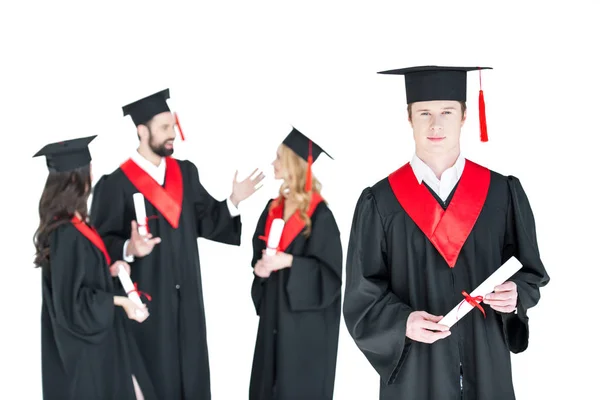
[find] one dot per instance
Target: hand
(114, 269)
(246, 188)
(134, 312)
(260, 270)
(504, 297)
(140, 246)
(420, 325)
(278, 261)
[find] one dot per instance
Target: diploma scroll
(274, 236)
(501, 275)
(130, 289)
(140, 213)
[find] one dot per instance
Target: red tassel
(482, 118)
(308, 186)
(178, 126)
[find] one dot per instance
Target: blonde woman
(297, 291)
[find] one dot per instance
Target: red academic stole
(293, 226)
(92, 235)
(446, 229)
(167, 200)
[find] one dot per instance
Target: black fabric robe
(393, 269)
(173, 339)
(87, 349)
(300, 310)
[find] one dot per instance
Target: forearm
(89, 315)
(377, 323)
(232, 206)
(216, 223)
(119, 300)
(312, 284)
(515, 325)
(116, 247)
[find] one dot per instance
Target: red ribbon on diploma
(145, 225)
(474, 301)
(139, 292)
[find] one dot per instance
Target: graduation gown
(87, 349)
(299, 309)
(173, 339)
(409, 252)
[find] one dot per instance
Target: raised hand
(246, 188)
(140, 246)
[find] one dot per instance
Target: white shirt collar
(156, 172)
(450, 177)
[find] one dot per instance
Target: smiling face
(161, 134)
(436, 125)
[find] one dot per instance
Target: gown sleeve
(107, 215)
(258, 245)
(315, 277)
(375, 317)
(521, 242)
(83, 309)
(214, 221)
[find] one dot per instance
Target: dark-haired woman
(86, 349)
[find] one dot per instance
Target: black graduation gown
(87, 349)
(173, 339)
(300, 310)
(393, 269)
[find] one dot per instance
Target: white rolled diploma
(140, 213)
(501, 275)
(274, 236)
(130, 289)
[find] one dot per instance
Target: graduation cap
(431, 82)
(143, 110)
(306, 149)
(67, 155)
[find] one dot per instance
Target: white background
(241, 73)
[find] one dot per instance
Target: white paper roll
(140, 213)
(274, 236)
(501, 275)
(130, 289)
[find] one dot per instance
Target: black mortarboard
(143, 110)
(301, 144)
(306, 149)
(67, 155)
(429, 83)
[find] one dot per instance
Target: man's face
(436, 125)
(162, 134)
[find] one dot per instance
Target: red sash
(446, 229)
(167, 200)
(293, 226)
(92, 235)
